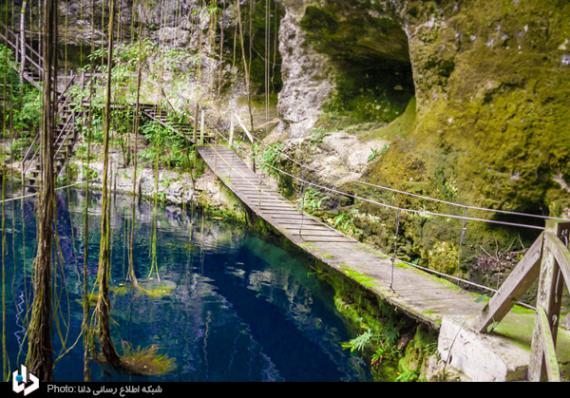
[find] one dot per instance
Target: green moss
(359, 277)
(501, 130)
(488, 126)
(402, 126)
(443, 257)
(418, 350)
(383, 334)
(231, 207)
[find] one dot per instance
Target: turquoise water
(242, 308)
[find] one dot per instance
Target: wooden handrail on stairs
(548, 260)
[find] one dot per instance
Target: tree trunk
(103, 308)
(23, 39)
(39, 357)
(131, 273)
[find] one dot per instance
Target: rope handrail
(463, 206)
(407, 210)
(421, 212)
(429, 198)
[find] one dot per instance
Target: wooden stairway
(66, 133)
(185, 130)
(66, 136)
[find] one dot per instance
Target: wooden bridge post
(195, 132)
(543, 364)
(232, 127)
(202, 127)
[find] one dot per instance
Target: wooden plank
(561, 255)
(298, 217)
(547, 349)
(296, 225)
(278, 210)
(518, 282)
(317, 227)
(548, 299)
(324, 240)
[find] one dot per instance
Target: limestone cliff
(490, 83)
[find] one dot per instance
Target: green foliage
(344, 222)
(173, 150)
(22, 100)
(359, 343)
(124, 78)
(26, 116)
(270, 158)
(408, 376)
(376, 153)
(312, 200)
(317, 135)
(445, 186)
(443, 257)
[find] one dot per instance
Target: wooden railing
(547, 260)
(33, 57)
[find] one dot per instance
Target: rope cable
(442, 201)
(412, 211)
(395, 250)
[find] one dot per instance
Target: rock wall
(305, 73)
(491, 87)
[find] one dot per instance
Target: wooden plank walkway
(418, 293)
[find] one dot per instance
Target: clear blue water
(243, 307)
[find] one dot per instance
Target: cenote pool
(242, 307)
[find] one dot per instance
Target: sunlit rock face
(305, 72)
(491, 88)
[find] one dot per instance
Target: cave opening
(373, 73)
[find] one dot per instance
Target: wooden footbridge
(511, 352)
(523, 344)
(426, 299)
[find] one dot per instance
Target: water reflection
(241, 308)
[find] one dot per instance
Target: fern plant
(358, 343)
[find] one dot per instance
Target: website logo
(19, 381)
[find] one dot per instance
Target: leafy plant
(312, 200)
(317, 135)
(344, 222)
(270, 157)
(408, 376)
(358, 343)
(376, 153)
